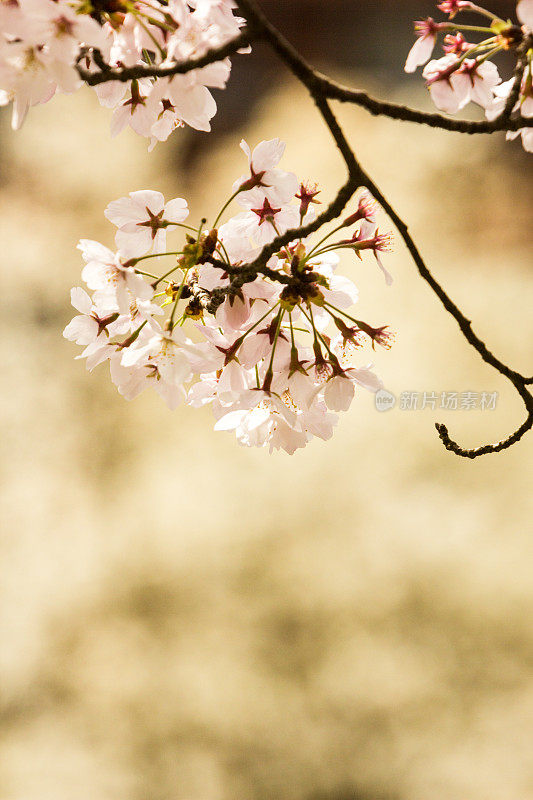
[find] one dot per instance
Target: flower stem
(148, 32)
(484, 12)
(225, 252)
(340, 311)
(452, 26)
(132, 337)
(162, 278)
(317, 245)
(146, 274)
(490, 54)
(269, 373)
(176, 301)
(134, 261)
(286, 247)
(293, 345)
(241, 339)
(224, 207)
(316, 334)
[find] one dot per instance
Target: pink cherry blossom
(452, 7)
(130, 381)
(524, 104)
(143, 219)
(113, 281)
(262, 222)
(271, 360)
(449, 88)
(420, 52)
(484, 77)
(256, 419)
(456, 44)
(94, 327)
(42, 42)
(453, 85)
(93, 321)
(138, 110)
(163, 357)
(368, 237)
(264, 179)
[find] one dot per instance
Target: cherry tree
(248, 314)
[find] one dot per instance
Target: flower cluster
(271, 344)
(43, 43)
(466, 72)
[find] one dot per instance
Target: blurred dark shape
(353, 793)
(356, 33)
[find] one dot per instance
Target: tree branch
(380, 108)
(108, 73)
(321, 89)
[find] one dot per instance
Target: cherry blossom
(484, 77)
(340, 388)
(449, 88)
(258, 416)
(368, 237)
(113, 281)
(94, 327)
(524, 104)
(466, 73)
(143, 219)
(163, 357)
(92, 321)
(264, 179)
(44, 42)
(262, 222)
(456, 44)
(426, 31)
(451, 7)
(268, 353)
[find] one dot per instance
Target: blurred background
(186, 619)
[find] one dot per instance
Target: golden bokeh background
(186, 619)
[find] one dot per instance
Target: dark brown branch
(124, 74)
(518, 75)
(465, 325)
(319, 84)
(518, 381)
(453, 447)
(380, 108)
(321, 89)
